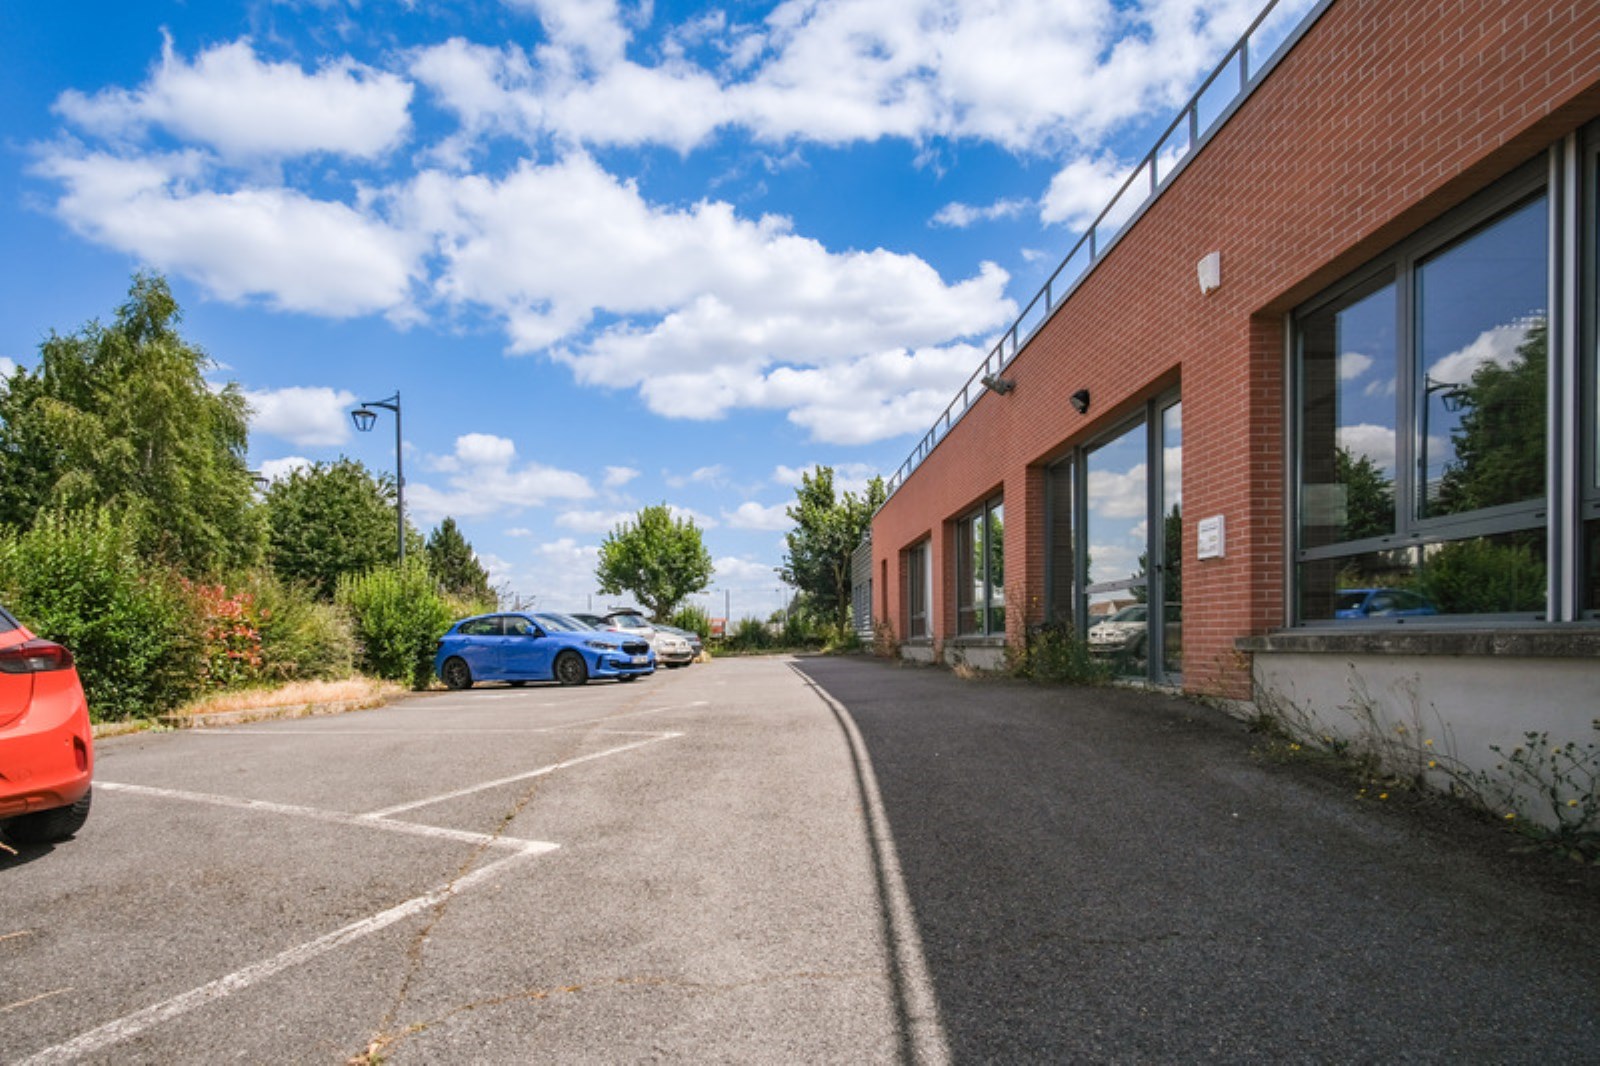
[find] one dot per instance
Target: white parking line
(336, 817)
(133, 1024)
(503, 781)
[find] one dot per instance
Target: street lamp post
(364, 417)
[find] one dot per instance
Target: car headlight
(599, 645)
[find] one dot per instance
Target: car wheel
(456, 673)
(47, 827)
(570, 669)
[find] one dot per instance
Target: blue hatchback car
(538, 646)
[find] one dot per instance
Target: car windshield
(630, 621)
(1350, 600)
(1129, 614)
(559, 623)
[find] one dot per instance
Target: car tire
(456, 674)
(570, 669)
(47, 827)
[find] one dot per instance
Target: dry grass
(307, 695)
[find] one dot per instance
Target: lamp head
(1080, 401)
(363, 418)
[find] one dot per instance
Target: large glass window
(916, 564)
(1422, 421)
(980, 571)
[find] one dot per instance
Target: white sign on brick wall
(1211, 538)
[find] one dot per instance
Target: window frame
(974, 618)
(1401, 265)
(919, 588)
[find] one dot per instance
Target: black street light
(364, 418)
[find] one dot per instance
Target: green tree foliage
(302, 638)
(1368, 495)
(328, 520)
(1500, 443)
(455, 566)
(828, 527)
(399, 616)
(657, 558)
(121, 416)
(1483, 576)
(692, 618)
(75, 578)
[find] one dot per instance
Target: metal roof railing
(1271, 35)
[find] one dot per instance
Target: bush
(1055, 654)
(302, 638)
(74, 578)
(750, 634)
(399, 616)
(230, 635)
(694, 619)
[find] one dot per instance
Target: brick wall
(1386, 114)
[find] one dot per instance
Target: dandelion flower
(1383, 795)
(1427, 743)
(1432, 763)
(1511, 816)
(1572, 803)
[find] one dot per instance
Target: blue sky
(610, 254)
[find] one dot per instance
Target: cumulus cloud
(618, 476)
(279, 469)
(241, 107)
(960, 216)
(307, 416)
(593, 521)
(484, 477)
(1497, 345)
(297, 252)
(1370, 441)
(752, 515)
(855, 345)
(734, 570)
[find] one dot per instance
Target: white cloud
(7, 367)
(1372, 441)
(960, 216)
(1119, 495)
(716, 475)
(1082, 189)
(1353, 364)
(847, 477)
(245, 108)
(296, 252)
(279, 469)
(311, 417)
(593, 521)
(618, 476)
(484, 478)
(733, 570)
(562, 574)
(752, 515)
(1497, 345)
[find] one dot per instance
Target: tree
(327, 520)
(122, 417)
(656, 557)
(828, 528)
(1500, 442)
(454, 566)
(1369, 495)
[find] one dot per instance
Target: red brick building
(1328, 394)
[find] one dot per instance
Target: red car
(46, 745)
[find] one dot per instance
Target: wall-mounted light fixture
(1080, 401)
(1209, 273)
(997, 384)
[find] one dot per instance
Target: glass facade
(1422, 425)
(980, 571)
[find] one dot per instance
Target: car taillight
(34, 657)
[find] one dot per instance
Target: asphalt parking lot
(773, 860)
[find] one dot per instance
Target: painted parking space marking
(133, 1024)
(366, 821)
(529, 775)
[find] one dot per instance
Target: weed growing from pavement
(1054, 654)
(1547, 791)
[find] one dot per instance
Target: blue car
(520, 647)
(1381, 603)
